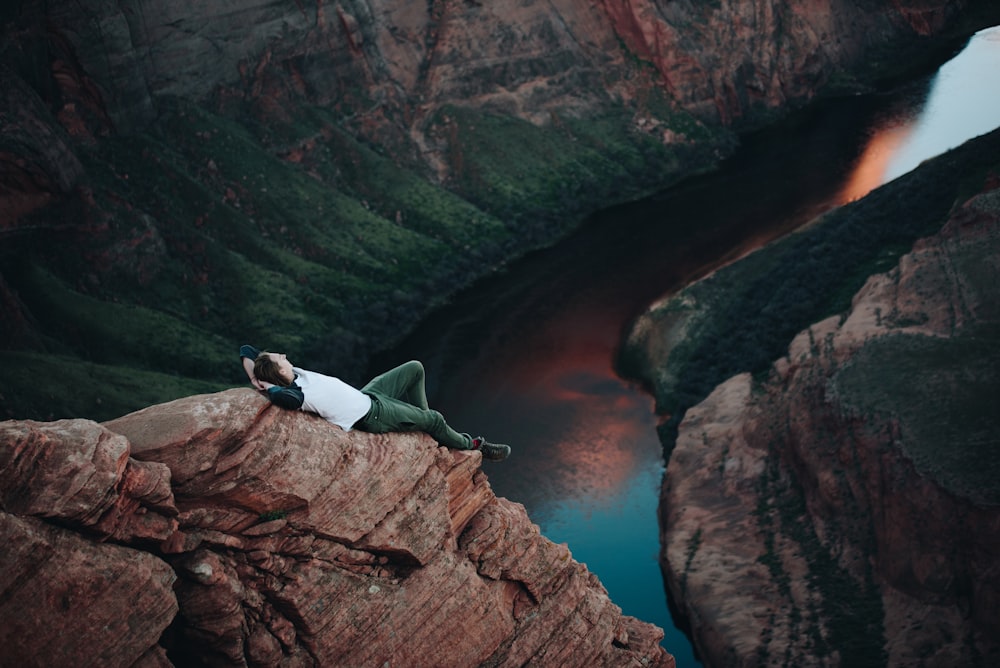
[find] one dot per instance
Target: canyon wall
(729, 61)
(843, 509)
(387, 68)
(220, 530)
(527, 58)
(183, 171)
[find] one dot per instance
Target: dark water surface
(525, 357)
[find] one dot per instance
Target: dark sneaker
(495, 452)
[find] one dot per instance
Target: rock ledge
(220, 530)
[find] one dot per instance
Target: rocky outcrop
(220, 530)
(846, 511)
(78, 586)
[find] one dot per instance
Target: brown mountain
(397, 64)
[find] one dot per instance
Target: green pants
(399, 403)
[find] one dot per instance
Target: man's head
(273, 368)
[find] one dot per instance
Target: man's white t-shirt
(332, 398)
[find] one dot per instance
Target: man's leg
(402, 406)
(395, 415)
(405, 382)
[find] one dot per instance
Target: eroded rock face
(720, 60)
(77, 584)
(248, 535)
(726, 60)
(845, 511)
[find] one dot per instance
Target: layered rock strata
(220, 530)
(845, 510)
(721, 60)
(75, 589)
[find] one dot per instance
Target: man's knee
(414, 366)
(435, 418)
(429, 422)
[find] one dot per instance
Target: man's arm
(247, 356)
(286, 397)
(249, 351)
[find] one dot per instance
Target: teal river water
(526, 356)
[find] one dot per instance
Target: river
(526, 356)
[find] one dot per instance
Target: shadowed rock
(844, 511)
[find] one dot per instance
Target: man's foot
(495, 452)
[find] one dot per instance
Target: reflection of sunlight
(598, 452)
(582, 433)
(594, 453)
(964, 102)
(871, 169)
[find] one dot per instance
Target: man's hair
(266, 369)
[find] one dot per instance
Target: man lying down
(393, 401)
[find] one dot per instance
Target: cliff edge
(219, 530)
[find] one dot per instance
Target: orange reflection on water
(597, 456)
(595, 431)
(870, 171)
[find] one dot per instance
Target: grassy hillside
(210, 230)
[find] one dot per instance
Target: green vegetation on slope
(743, 317)
(943, 391)
(841, 614)
(543, 178)
(49, 387)
(210, 230)
(126, 334)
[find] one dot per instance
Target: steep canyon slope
(319, 176)
(842, 507)
(220, 530)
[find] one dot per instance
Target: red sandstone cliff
(386, 68)
(846, 511)
(217, 529)
(726, 61)
(524, 58)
